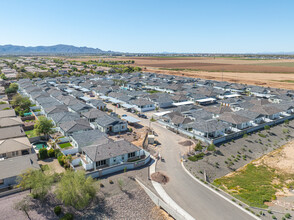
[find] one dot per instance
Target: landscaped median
(262, 180)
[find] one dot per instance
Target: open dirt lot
(254, 72)
(263, 72)
(281, 159)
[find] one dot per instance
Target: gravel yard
(114, 201)
(235, 154)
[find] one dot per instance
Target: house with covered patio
(110, 154)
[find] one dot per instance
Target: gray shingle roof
(74, 126)
(16, 165)
(93, 114)
(11, 132)
(61, 117)
(93, 137)
(210, 125)
(233, 118)
(108, 120)
(109, 150)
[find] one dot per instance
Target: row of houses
(81, 122)
(16, 152)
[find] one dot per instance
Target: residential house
(15, 147)
(87, 138)
(143, 105)
(112, 124)
(69, 127)
(11, 132)
(110, 154)
(11, 168)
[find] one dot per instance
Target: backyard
(31, 133)
(65, 145)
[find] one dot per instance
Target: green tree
(43, 153)
(21, 104)
(13, 87)
(2, 76)
(39, 182)
(44, 126)
(75, 189)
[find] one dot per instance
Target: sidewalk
(159, 189)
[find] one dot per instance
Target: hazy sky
(228, 26)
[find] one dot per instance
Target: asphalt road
(196, 199)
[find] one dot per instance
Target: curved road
(190, 195)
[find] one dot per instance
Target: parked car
(124, 116)
(142, 116)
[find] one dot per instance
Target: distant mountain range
(56, 49)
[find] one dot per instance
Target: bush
(288, 215)
(57, 210)
(61, 160)
(43, 154)
(285, 130)
(286, 122)
(67, 216)
(196, 157)
(51, 153)
(266, 127)
(262, 135)
(245, 136)
(198, 147)
(56, 152)
(211, 147)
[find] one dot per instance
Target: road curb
(217, 193)
(166, 198)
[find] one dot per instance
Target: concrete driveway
(196, 199)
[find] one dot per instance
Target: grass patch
(196, 157)
(31, 133)
(253, 185)
(65, 145)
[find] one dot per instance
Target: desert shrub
(288, 215)
(285, 130)
(57, 210)
(196, 157)
(262, 135)
(43, 154)
(198, 147)
(266, 127)
(67, 216)
(211, 147)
